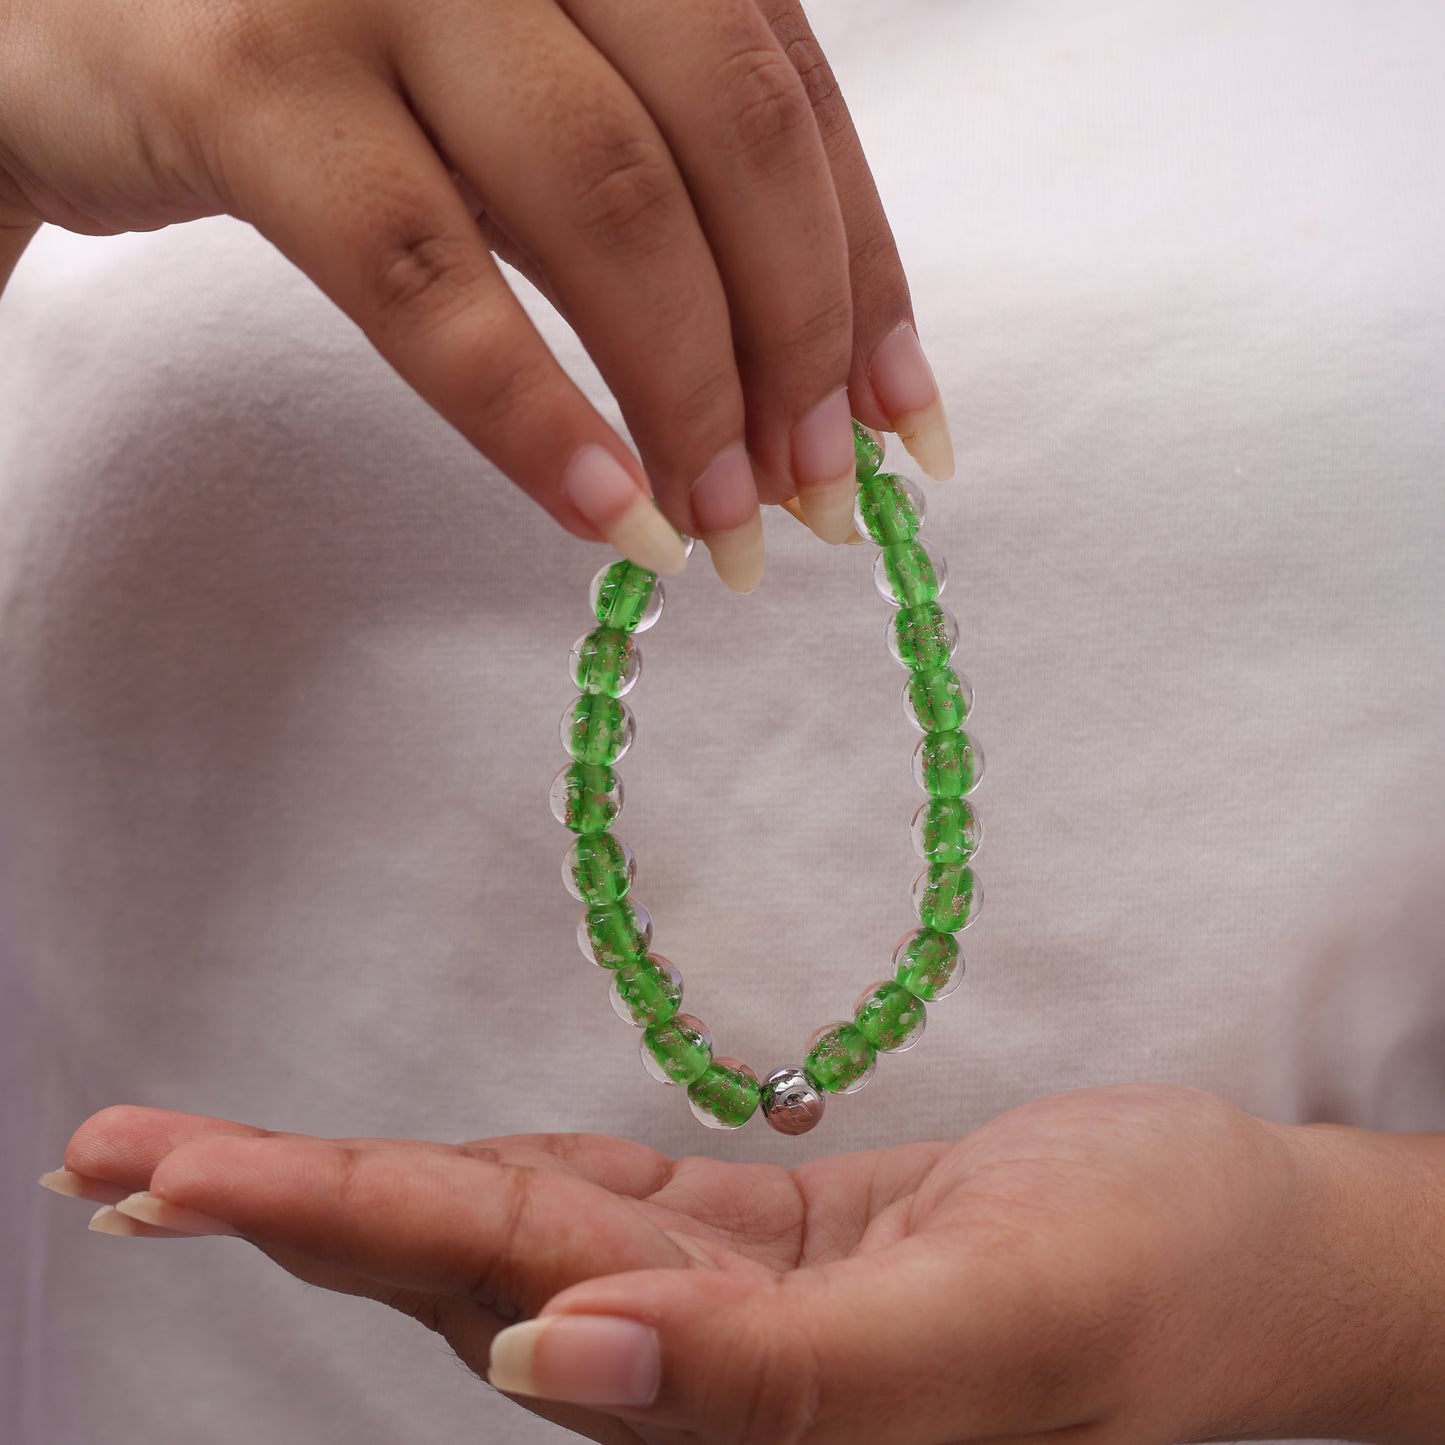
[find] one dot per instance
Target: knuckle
(500, 1286)
(255, 38)
(420, 274)
(820, 85)
(763, 108)
(773, 1386)
(710, 403)
(627, 192)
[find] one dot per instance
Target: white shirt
(283, 661)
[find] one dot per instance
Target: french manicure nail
(824, 467)
(82, 1186)
(725, 504)
(904, 385)
(109, 1220)
(794, 508)
(604, 491)
(161, 1213)
(585, 1359)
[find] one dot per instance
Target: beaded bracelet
(616, 933)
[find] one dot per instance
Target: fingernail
(586, 1359)
(725, 504)
(108, 1220)
(81, 1186)
(604, 491)
(794, 508)
(904, 385)
(146, 1208)
(824, 469)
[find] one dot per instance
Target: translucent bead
(598, 869)
(938, 701)
(597, 729)
(839, 1059)
(947, 897)
(928, 964)
(614, 935)
(688, 543)
(947, 765)
(725, 1095)
(586, 799)
(626, 597)
(922, 638)
(791, 1105)
(946, 830)
(889, 509)
(889, 1017)
(867, 451)
(908, 574)
(646, 992)
(676, 1051)
(605, 660)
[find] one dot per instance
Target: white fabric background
(283, 661)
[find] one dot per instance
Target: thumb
(897, 1345)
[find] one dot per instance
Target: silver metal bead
(790, 1103)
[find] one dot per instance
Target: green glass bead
(937, 701)
(947, 765)
(615, 935)
(946, 896)
(606, 661)
(890, 1017)
(586, 799)
(599, 869)
(725, 1095)
(928, 964)
(922, 638)
(946, 830)
(646, 992)
(908, 574)
(839, 1059)
(889, 509)
(597, 729)
(867, 451)
(677, 1051)
(626, 597)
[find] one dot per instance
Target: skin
(1133, 1265)
(682, 180)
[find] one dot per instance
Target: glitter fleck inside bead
(725, 1095)
(677, 1051)
(889, 1017)
(605, 660)
(597, 729)
(585, 798)
(922, 638)
(791, 1104)
(626, 597)
(946, 830)
(598, 869)
(615, 935)
(646, 992)
(947, 897)
(908, 574)
(889, 509)
(839, 1059)
(947, 765)
(928, 964)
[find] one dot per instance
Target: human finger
(891, 385)
(503, 1236)
(568, 160)
(737, 120)
(355, 194)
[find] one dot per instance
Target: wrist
(1355, 1348)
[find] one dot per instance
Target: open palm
(1012, 1282)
